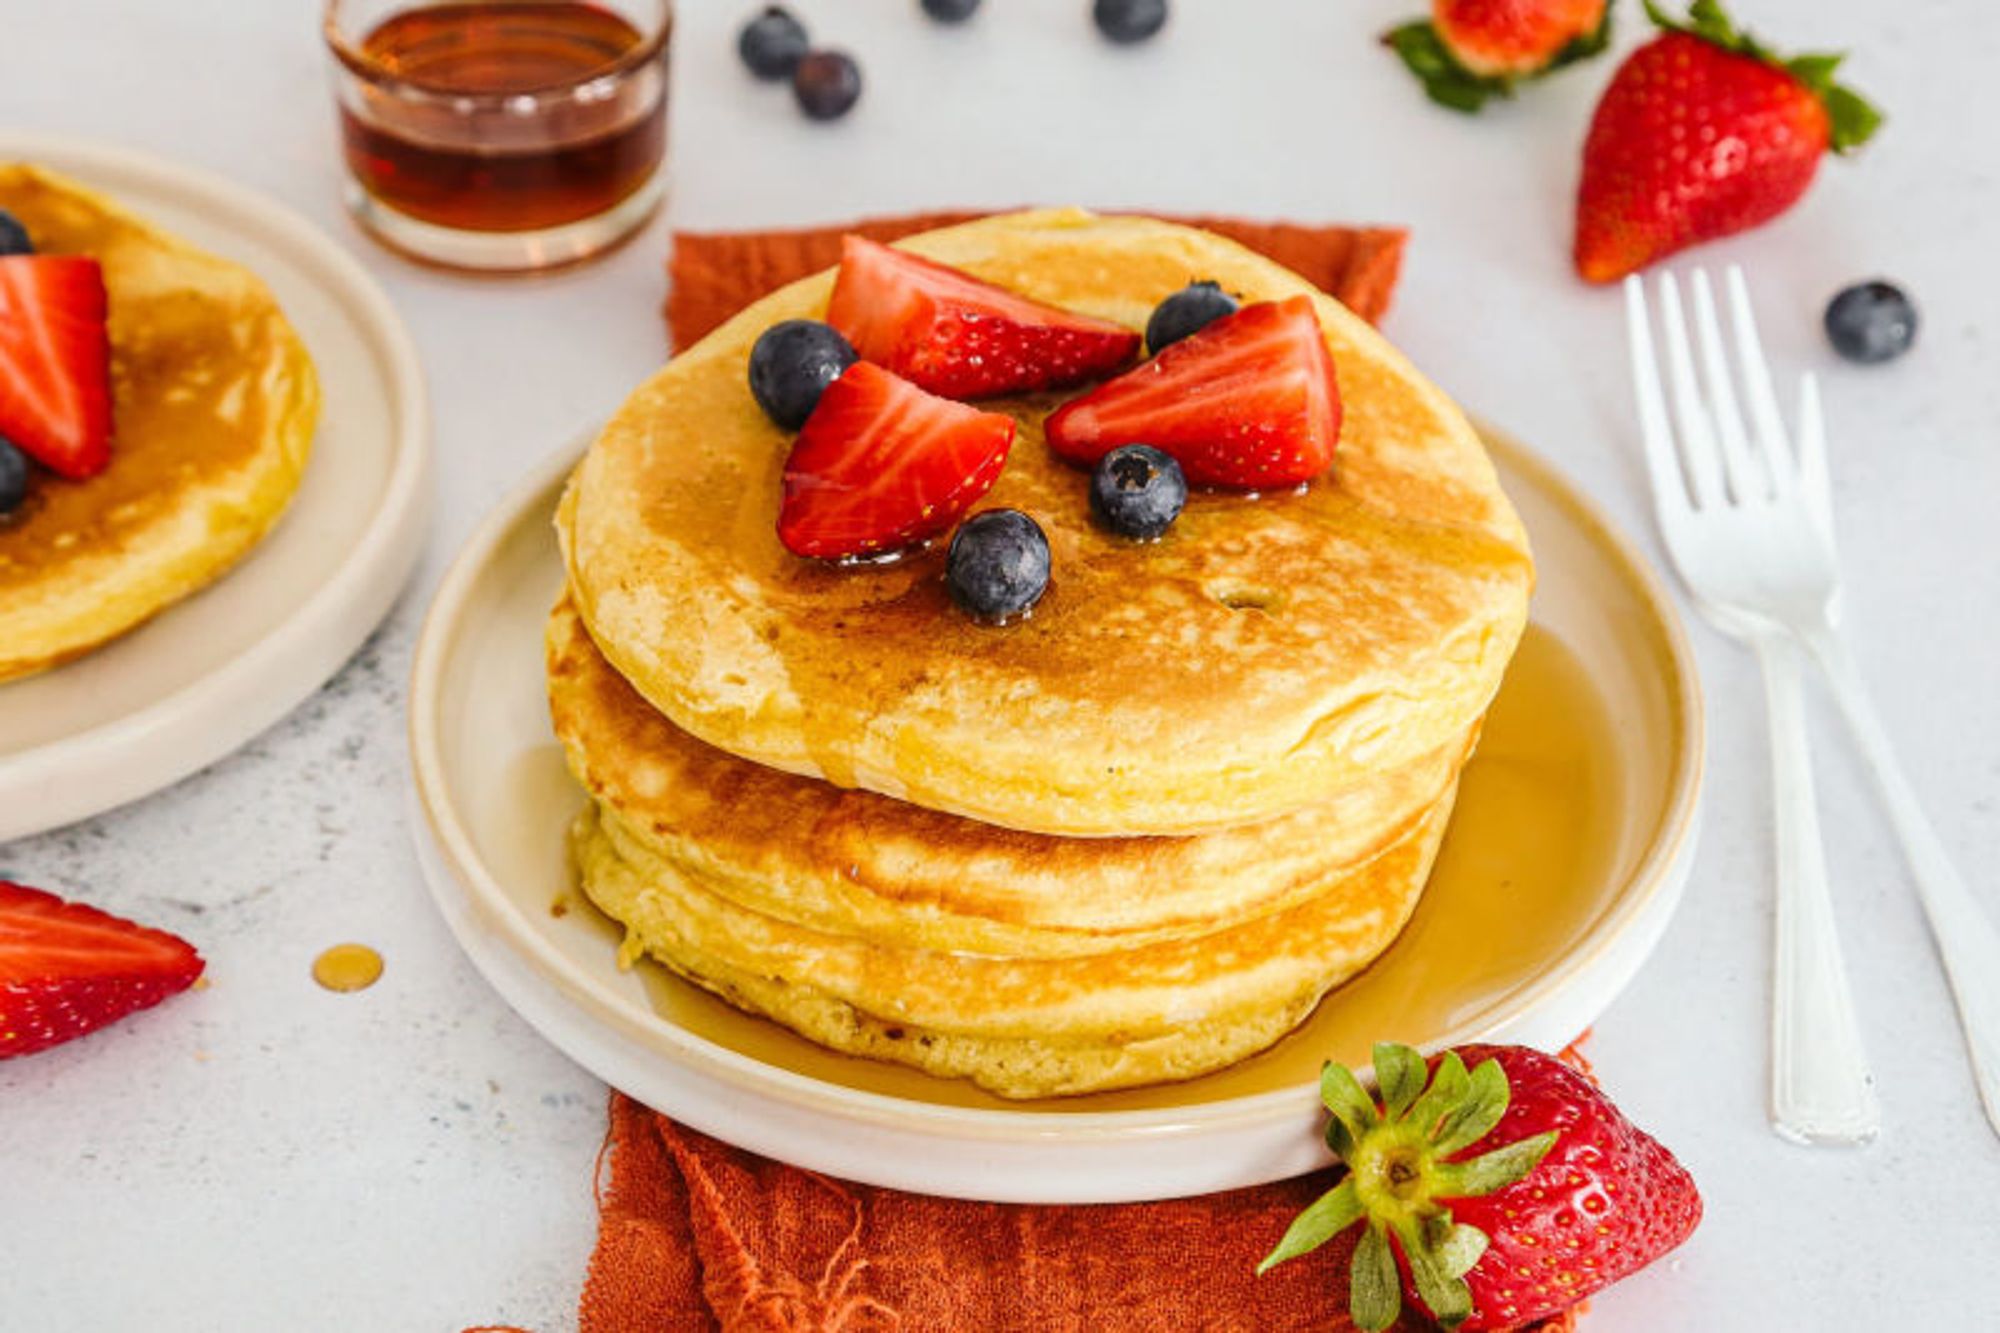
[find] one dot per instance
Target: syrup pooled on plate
(497, 117)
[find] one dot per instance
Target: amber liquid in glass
(468, 116)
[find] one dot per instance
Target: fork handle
(1964, 932)
(1821, 1090)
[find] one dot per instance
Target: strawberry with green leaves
(1471, 50)
(1704, 132)
(1497, 1186)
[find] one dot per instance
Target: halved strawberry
(55, 361)
(67, 969)
(952, 334)
(880, 464)
(1248, 401)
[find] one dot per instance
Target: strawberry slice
(880, 464)
(952, 334)
(67, 969)
(1249, 401)
(55, 361)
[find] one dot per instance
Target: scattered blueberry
(827, 84)
(792, 364)
(13, 236)
(998, 565)
(1126, 21)
(772, 43)
(950, 11)
(1137, 491)
(13, 477)
(1188, 310)
(1871, 321)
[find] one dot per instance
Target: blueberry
(1188, 310)
(1871, 321)
(827, 84)
(998, 565)
(1126, 21)
(13, 236)
(792, 364)
(772, 43)
(13, 478)
(950, 11)
(1137, 491)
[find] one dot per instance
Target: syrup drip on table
(347, 967)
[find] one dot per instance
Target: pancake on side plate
(1268, 654)
(214, 402)
(882, 871)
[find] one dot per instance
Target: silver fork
(1749, 524)
(1733, 509)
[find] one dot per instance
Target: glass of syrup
(501, 134)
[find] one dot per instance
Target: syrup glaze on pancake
(1018, 1027)
(1267, 654)
(870, 868)
(214, 402)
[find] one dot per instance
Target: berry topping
(955, 335)
(1250, 401)
(1128, 21)
(881, 465)
(792, 364)
(67, 969)
(1871, 321)
(1704, 132)
(1499, 1194)
(998, 566)
(14, 238)
(951, 11)
(1192, 308)
(827, 84)
(13, 478)
(1471, 50)
(1137, 491)
(55, 362)
(772, 43)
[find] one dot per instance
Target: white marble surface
(264, 1154)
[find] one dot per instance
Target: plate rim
(1654, 875)
(211, 717)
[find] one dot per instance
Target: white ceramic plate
(1566, 856)
(208, 674)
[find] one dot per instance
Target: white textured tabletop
(264, 1154)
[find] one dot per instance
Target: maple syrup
(348, 967)
(502, 117)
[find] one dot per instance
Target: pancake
(1018, 1027)
(1266, 655)
(214, 403)
(870, 868)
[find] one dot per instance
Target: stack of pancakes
(1133, 838)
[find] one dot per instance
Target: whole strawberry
(1492, 1196)
(1704, 132)
(1472, 50)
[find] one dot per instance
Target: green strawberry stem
(1853, 119)
(1399, 1154)
(1451, 84)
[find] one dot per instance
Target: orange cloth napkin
(700, 1237)
(716, 274)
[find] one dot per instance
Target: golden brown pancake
(214, 402)
(869, 868)
(1018, 1027)
(1268, 654)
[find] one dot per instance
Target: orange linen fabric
(716, 274)
(699, 1237)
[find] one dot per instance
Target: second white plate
(208, 674)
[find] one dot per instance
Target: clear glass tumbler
(501, 134)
